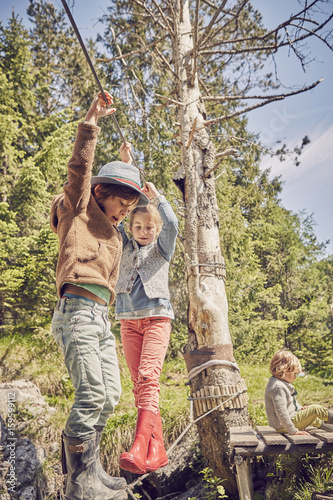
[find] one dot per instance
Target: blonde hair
(284, 361)
(149, 209)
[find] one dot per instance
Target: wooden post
(244, 479)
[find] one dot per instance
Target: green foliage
(279, 287)
(213, 486)
(278, 293)
(296, 477)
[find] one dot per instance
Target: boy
(85, 217)
(284, 413)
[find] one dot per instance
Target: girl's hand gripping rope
(125, 155)
(150, 191)
(125, 152)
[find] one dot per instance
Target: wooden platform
(246, 442)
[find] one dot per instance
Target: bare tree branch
(210, 4)
(259, 105)
(132, 71)
(242, 97)
(165, 62)
(163, 17)
(151, 14)
(234, 16)
(227, 152)
(212, 21)
(134, 52)
(170, 100)
(271, 47)
(313, 33)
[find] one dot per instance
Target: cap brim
(143, 200)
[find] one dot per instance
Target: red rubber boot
(135, 460)
(157, 456)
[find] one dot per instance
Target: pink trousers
(145, 342)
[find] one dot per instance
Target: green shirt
(101, 291)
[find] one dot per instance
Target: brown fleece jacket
(89, 245)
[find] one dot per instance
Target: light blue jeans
(82, 330)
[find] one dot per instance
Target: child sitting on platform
(284, 413)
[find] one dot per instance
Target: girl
(145, 314)
(284, 413)
(85, 217)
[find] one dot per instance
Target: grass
(35, 357)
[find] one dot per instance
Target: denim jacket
(142, 288)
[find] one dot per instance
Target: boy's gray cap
(124, 174)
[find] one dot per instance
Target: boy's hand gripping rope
(69, 14)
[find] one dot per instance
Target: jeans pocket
(58, 337)
(83, 317)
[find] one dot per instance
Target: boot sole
(131, 466)
(152, 469)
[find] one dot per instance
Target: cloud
(316, 158)
(309, 186)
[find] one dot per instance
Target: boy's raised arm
(77, 187)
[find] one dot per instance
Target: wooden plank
(204, 401)
(196, 407)
(238, 398)
(323, 435)
(217, 393)
(200, 403)
(208, 400)
(289, 449)
(227, 392)
(243, 436)
(270, 436)
(301, 439)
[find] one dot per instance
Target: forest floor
(36, 358)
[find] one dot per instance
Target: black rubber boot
(114, 483)
(83, 482)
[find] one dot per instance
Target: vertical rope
(91, 66)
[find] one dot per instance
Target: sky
(307, 187)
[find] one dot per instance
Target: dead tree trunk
(209, 351)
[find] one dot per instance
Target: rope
(191, 398)
(138, 481)
(198, 369)
(91, 66)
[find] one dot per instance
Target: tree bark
(209, 337)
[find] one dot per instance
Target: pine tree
(31, 169)
(17, 101)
